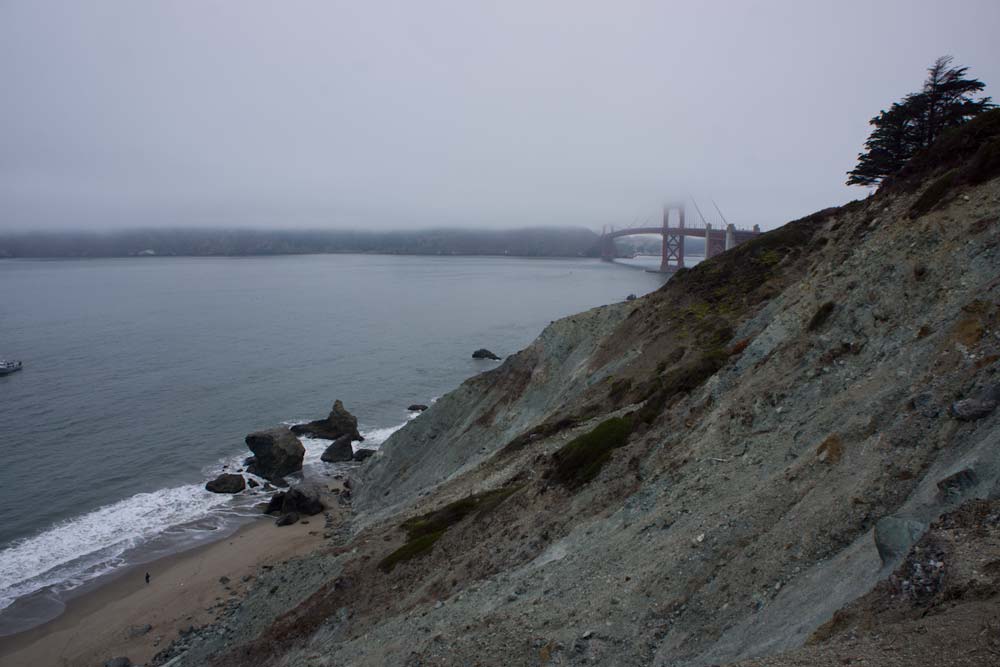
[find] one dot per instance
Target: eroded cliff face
(468, 426)
(703, 475)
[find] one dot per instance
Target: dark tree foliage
(893, 141)
(947, 100)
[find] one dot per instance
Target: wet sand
(182, 591)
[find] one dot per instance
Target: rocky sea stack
(276, 453)
(338, 423)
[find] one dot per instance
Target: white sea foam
(77, 550)
(376, 436)
(373, 440)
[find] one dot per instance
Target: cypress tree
(946, 100)
(890, 145)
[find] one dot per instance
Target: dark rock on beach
(417, 407)
(338, 423)
(138, 630)
(274, 504)
(276, 453)
(287, 519)
(340, 450)
(363, 454)
(303, 499)
(226, 483)
(118, 662)
(483, 353)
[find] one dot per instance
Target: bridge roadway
(717, 240)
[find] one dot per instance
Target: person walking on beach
(147, 577)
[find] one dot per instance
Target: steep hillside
(705, 475)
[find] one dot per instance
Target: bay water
(143, 375)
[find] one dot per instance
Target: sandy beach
(182, 592)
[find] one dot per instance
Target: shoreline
(42, 606)
(187, 588)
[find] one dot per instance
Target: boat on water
(8, 367)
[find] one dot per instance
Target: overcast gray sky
(371, 114)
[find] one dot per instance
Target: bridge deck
(741, 234)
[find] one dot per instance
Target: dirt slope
(940, 607)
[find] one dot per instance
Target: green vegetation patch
(985, 164)
(411, 549)
(934, 193)
(579, 461)
(697, 311)
(424, 531)
(958, 146)
(553, 426)
(681, 380)
(770, 257)
(767, 250)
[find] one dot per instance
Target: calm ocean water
(142, 376)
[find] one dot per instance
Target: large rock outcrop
(276, 453)
(338, 423)
(339, 450)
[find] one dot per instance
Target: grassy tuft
(985, 164)
(770, 257)
(579, 461)
(423, 531)
(934, 193)
(411, 549)
(681, 380)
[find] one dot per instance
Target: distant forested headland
(535, 242)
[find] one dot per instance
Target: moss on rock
(579, 461)
(423, 531)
